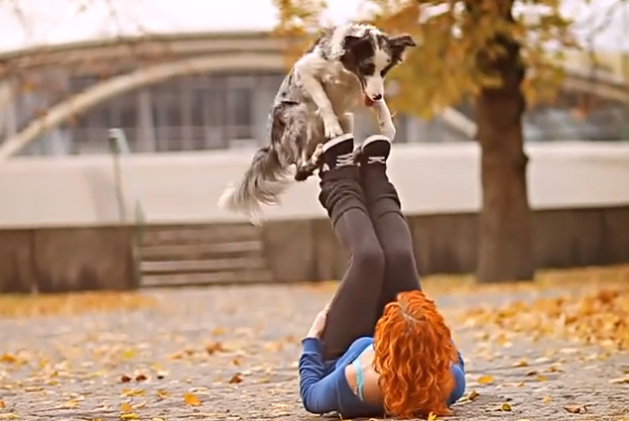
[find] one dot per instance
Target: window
(239, 119)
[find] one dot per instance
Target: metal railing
(119, 147)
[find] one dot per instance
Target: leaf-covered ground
(547, 351)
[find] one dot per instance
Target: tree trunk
(505, 225)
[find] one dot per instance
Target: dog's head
(370, 57)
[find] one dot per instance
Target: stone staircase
(202, 255)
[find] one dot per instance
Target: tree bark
(505, 223)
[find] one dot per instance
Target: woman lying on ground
(380, 347)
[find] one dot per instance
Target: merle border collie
(345, 67)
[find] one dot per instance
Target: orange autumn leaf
(235, 379)
(70, 404)
(126, 407)
(575, 409)
(191, 399)
(8, 358)
(486, 379)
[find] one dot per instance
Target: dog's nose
(377, 97)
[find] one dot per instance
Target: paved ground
(229, 354)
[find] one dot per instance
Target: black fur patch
(358, 57)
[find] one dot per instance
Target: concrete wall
(58, 217)
(447, 243)
(66, 259)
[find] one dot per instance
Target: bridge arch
(118, 85)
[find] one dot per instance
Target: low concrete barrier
(66, 259)
(62, 226)
(447, 243)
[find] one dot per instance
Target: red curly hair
(413, 353)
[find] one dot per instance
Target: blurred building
(183, 90)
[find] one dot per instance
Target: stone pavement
(230, 354)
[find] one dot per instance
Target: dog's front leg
(304, 69)
(347, 122)
(385, 121)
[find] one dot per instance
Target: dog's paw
(316, 155)
(387, 128)
(331, 127)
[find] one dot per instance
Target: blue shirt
(324, 388)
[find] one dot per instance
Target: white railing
(184, 187)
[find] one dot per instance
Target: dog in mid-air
(345, 67)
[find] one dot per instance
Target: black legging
(365, 211)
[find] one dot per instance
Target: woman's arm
(318, 391)
(458, 372)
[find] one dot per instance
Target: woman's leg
(353, 310)
(390, 225)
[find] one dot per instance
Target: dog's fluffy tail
(263, 183)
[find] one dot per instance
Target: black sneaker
(338, 152)
(375, 150)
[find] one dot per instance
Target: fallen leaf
(546, 399)
(553, 369)
(140, 378)
(521, 363)
(162, 394)
(132, 392)
(273, 346)
(126, 407)
(620, 380)
(505, 407)
(432, 417)
(128, 354)
(487, 379)
(235, 379)
(214, 347)
(125, 379)
(574, 409)
(69, 404)
(217, 331)
(72, 303)
(191, 399)
(2, 404)
(472, 395)
(129, 416)
(8, 358)
(9, 416)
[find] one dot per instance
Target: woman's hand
(319, 323)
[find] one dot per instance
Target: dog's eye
(386, 70)
(367, 69)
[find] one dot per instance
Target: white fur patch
(374, 85)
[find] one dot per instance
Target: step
(199, 279)
(165, 252)
(188, 266)
(201, 234)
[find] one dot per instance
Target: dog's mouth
(368, 101)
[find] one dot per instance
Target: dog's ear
(402, 41)
(399, 44)
(350, 40)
